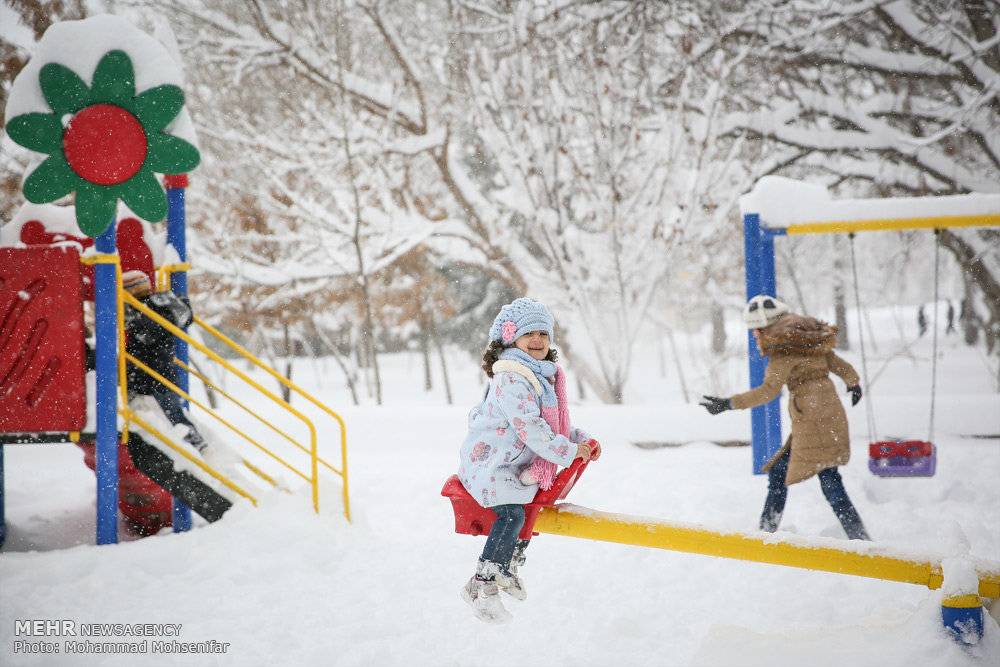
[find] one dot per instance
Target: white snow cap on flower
(80, 45)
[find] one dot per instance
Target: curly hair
(492, 354)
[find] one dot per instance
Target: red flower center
(105, 144)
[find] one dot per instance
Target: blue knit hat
(519, 317)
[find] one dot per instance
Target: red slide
(145, 504)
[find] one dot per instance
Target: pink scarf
(558, 420)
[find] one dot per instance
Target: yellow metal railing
(313, 477)
(250, 411)
(163, 279)
(285, 382)
(222, 420)
(183, 451)
(893, 224)
(606, 527)
(165, 272)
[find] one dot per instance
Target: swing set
(898, 457)
(767, 215)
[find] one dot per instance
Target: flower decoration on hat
(508, 331)
(104, 142)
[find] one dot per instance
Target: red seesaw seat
(471, 518)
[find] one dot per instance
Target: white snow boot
(508, 580)
(512, 585)
(483, 595)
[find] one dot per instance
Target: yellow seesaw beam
(589, 524)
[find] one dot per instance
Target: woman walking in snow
(518, 435)
(800, 355)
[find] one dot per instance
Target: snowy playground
(174, 490)
(284, 585)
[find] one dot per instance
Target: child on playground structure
(518, 434)
(800, 355)
(153, 345)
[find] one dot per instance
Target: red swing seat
(471, 518)
(902, 458)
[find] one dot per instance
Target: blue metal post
(772, 410)
(106, 319)
(758, 258)
(178, 284)
(962, 616)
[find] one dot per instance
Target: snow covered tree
(525, 129)
(881, 99)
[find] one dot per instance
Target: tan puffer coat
(800, 351)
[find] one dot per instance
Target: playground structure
(104, 142)
(57, 401)
(961, 608)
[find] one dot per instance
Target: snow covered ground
(284, 586)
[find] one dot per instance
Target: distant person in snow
(800, 355)
(153, 345)
(518, 434)
(921, 321)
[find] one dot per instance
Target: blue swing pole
(106, 324)
(765, 420)
(176, 237)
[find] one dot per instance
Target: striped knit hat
(136, 283)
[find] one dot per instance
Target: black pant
(833, 488)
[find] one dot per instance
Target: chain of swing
(869, 403)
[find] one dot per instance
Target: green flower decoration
(104, 143)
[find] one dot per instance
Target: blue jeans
(503, 535)
(173, 408)
(833, 489)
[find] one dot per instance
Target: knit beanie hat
(519, 317)
(763, 311)
(136, 283)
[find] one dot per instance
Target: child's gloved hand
(595, 449)
(583, 451)
(715, 404)
(855, 393)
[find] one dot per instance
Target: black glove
(855, 393)
(715, 405)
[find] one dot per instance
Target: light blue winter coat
(506, 432)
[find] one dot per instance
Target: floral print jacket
(506, 433)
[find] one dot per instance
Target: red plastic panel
(41, 341)
(133, 251)
(908, 448)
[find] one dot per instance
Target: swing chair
(898, 457)
(471, 518)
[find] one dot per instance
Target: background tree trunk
(718, 329)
